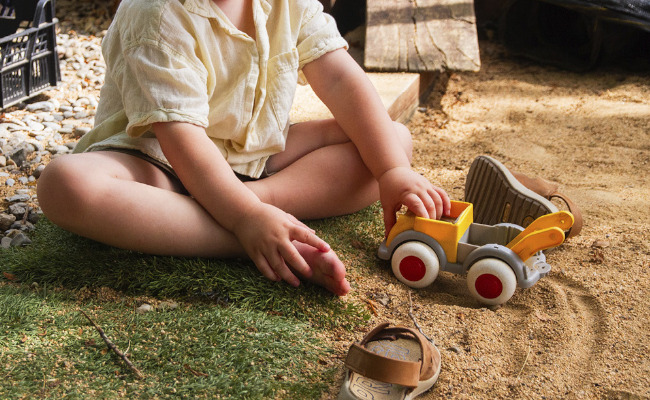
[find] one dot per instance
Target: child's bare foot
(327, 270)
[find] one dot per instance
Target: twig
(26, 214)
(372, 306)
(114, 348)
(416, 322)
(127, 349)
(194, 372)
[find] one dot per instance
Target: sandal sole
(498, 197)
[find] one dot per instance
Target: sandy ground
(582, 331)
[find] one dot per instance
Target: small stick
(114, 348)
(416, 322)
(26, 214)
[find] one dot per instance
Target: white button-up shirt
(183, 60)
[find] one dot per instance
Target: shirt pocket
(282, 81)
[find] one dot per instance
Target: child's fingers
(299, 222)
(264, 267)
(307, 236)
(432, 203)
(446, 201)
(389, 218)
(440, 202)
(417, 205)
(280, 268)
(293, 258)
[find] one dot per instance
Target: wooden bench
(421, 36)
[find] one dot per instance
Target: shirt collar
(201, 7)
(206, 8)
(266, 6)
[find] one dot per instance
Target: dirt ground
(582, 331)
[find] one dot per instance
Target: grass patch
(60, 258)
(236, 334)
(48, 350)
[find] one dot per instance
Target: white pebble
(145, 308)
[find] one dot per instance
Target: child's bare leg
(127, 202)
(321, 174)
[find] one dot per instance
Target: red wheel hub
(488, 286)
(412, 268)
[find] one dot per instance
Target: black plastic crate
(29, 63)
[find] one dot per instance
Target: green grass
(236, 334)
(49, 350)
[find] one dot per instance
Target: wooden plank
(421, 36)
(398, 91)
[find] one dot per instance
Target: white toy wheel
(415, 264)
(491, 281)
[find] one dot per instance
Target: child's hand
(266, 234)
(403, 186)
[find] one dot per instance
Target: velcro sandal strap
(383, 369)
(538, 185)
(573, 209)
(430, 361)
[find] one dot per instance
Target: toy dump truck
(496, 258)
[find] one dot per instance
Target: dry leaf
(10, 277)
(597, 257)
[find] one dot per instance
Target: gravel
(48, 125)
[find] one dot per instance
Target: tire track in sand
(565, 339)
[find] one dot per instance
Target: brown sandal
(390, 363)
(499, 196)
(549, 190)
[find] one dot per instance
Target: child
(192, 153)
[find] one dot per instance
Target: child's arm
(344, 88)
(264, 231)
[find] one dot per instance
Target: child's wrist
(391, 170)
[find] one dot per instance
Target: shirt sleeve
(161, 87)
(161, 78)
(318, 33)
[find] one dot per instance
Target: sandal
(390, 363)
(499, 196)
(549, 190)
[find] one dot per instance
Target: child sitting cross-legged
(192, 153)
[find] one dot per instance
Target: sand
(582, 331)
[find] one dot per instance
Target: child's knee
(404, 136)
(60, 186)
